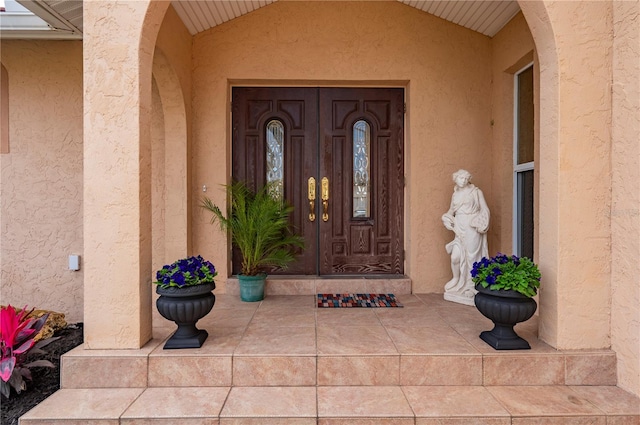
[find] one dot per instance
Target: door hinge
(404, 108)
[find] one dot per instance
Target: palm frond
(259, 227)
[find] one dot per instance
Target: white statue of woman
(468, 218)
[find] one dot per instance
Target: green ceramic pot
(252, 287)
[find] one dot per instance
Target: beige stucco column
(625, 205)
(118, 47)
(574, 46)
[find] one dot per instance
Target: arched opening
(546, 156)
(170, 167)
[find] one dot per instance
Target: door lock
(325, 199)
(311, 185)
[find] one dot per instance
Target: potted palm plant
(506, 286)
(259, 226)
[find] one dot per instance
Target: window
(523, 162)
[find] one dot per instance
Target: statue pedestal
(460, 299)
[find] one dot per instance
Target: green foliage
(259, 227)
(519, 274)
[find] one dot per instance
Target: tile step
(84, 369)
(329, 405)
(302, 285)
(284, 361)
(287, 341)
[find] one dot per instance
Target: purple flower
(186, 272)
(179, 279)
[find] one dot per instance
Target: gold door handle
(325, 199)
(312, 198)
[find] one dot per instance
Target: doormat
(357, 300)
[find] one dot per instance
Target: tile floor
(284, 361)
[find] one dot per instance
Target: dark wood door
(362, 236)
(358, 229)
(296, 109)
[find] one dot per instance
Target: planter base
(185, 306)
(193, 340)
(503, 337)
(505, 309)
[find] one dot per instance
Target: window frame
(519, 168)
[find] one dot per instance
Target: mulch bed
(46, 380)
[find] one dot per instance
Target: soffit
(485, 17)
(200, 16)
(65, 16)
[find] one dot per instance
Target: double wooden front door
(337, 154)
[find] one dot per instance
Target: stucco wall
(574, 48)
(117, 61)
(41, 180)
(175, 41)
(158, 187)
(445, 68)
(43, 224)
(512, 49)
(172, 76)
(625, 210)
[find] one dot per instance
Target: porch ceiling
(64, 17)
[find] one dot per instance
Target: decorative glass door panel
(338, 153)
(275, 157)
(361, 180)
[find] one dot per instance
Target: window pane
(361, 180)
(275, 157)
(525, 213)
(525, 116)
